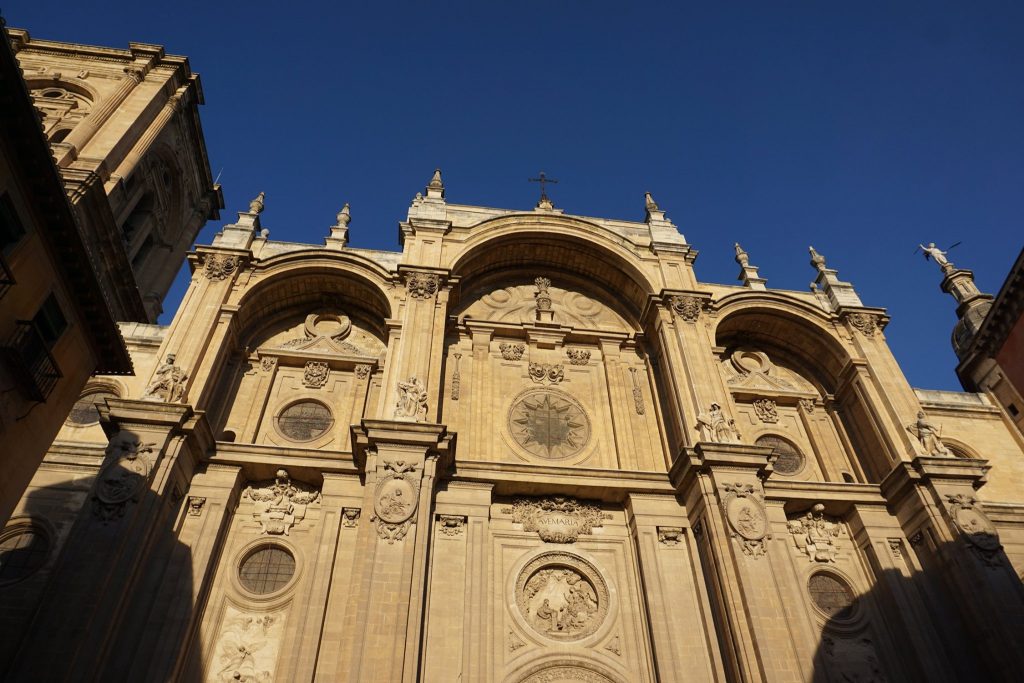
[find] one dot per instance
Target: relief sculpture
(562, 597)
(248, 647)
(281, 503)
(395, 501)
(815, 536)
(748, 522)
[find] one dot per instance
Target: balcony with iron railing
(29, 362)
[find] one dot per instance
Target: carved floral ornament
(315, 374)
(422, 285)
(766, 410)
(280, 503)
(865, 323)
(546, 373)
(975, 526)
(512, 351)
(562, 596)
(687, 307)
(123, 478)
(395, 500)
(559, 519)
(219, 266)
(748, 521)
(578, 356)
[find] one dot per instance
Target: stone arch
(796, 332)
(570, 246)
(582, 668)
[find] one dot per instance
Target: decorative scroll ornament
(865, 323)
(195, 505)
(422, 285)
(511, 351)
(766, 410)
(815, 536)
(412, 401)
(929, 436)
(748, 521)
(219, 266)
(562, 596)
(315, 374)
(123, 478)
(975, 526)
(363, 371)
(559, 519)
(456, 378)
(168, 385)
(687, 307)
(451, 525)
(548, 373)
(395, 501)
(280, 503)
(578, 356)
(714, 427)
(638, 394)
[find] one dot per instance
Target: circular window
(23, 550)
(789, 460)
(84, 411)
(266, 570)
(305, 420)
(549, 424)
(831, 595)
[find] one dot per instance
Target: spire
(839, 293)
(240, 235)
(651, 210)
(664, 235)
(339, 231)
(256, 205)
(748, 273)
(649, 202)
(972, 305)
(435, 189)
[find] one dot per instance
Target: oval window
(790, 460)
(84, 411)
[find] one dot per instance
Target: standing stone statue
(168, 385)
(929, 435)
(412, 400)
(937, 255)
(715, 428)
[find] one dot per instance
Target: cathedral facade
(530, 447)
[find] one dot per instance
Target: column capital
(707, 458)
(420, 439)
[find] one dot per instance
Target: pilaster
(401, 462)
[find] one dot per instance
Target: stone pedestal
(383, 616)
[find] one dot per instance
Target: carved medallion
(395, 501)
(559, 519)
(280, 503)
(315, 374)
(549, 424)
(747, 519)
(562, 596)
(123, 479)
(976, 527)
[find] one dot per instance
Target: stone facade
(529, 447)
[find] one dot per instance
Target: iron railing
(29, 361)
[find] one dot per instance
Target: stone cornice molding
(927, 470)
(428, 439)
(706, 457)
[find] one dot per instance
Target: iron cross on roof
(543, 179)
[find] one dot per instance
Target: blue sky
(860, 128)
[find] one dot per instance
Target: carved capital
(350, 517)
(865, 323)
(219, 266)
(578, 356)
(686, 307)
(422, 285)
(670, 535)
(451, 525)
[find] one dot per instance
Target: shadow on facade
(956, 616)
(114, 599)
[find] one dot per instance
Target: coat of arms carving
(123, 478)
(280, 503)
(975, 526)
(395, 501)
(815, 536)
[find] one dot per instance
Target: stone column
(721, 487)
(383, 616)
(86, 614)
(175, 103)
(961, 556)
